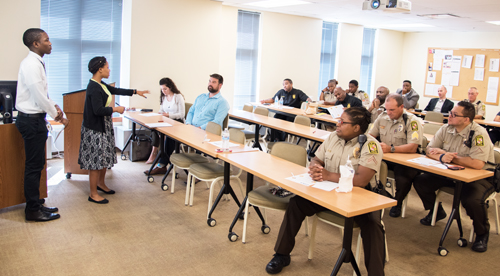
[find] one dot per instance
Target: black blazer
(446, 108)
(95, 101)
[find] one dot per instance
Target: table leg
(256, 143)
(346, 255)
(455, 214)
(161, 152)
(130, 138)
(226, 189)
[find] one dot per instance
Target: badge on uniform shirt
(414, 135)
(372, 147)
(348, 105)
(293, 96)
(479, 140)
(414, 126)
(484, 107)
(400, 128)
(356, 153)
(366, 95)
(382, 127)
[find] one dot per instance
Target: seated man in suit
(479, 106)
(441, 104)
(377, 106)
(327, 93)
(345, 99)
(208, 107)
(333, 153)
(360, 94)
(462, 142)
(291, 97)
(399, 132)
(410, 96)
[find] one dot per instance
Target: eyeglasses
(341, 122)
(454, 114)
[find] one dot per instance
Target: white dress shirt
(439, 105)
(32, 88)
(175, 108)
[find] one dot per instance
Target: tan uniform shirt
(335, 151)
(329, 97)
(448, 139)
(377, 111)
(363, 96)
(392, 132)
(479, 106)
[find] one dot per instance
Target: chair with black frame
(250, 134)
(262, 197)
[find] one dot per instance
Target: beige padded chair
(250, 134)
(212, 172)
(338, 221)
(261, 197)
(299, 119)
(430, 128)
(434, 116)
(187, 106)
(247, 107)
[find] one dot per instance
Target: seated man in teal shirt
(211, 107)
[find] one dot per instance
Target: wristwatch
(392, 148)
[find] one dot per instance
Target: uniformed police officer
(462, 142)
(345, 99)
(340, 145)
(399, 132)
(479, 106)
(327, 95)
(360, 94)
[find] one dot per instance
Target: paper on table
(494, 64)
(304, 179)
(326, 185)
(336, 111)
(425, 161)
(288, 107)
(467, 62)
(478, 74)
(325, 136)
(149, 114)
(479, 61)
(219, 144)
(431, 77)
(159, 125)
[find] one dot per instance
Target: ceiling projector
(387, 5)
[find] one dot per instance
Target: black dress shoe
(40, 216)
(277, 263)
(157, 170)
(481, 243)
(104, 201)
(49, 209)
(395, 211)
(441, 214)
(110, 192)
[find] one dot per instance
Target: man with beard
(211, 107)
(410, 96)
(345, 99)
(378, 104)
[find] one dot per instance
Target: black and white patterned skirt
(97, 149)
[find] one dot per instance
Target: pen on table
(293, 175)
(117, 104)
(314, 131)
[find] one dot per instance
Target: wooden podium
(73, 104)
(12, 168)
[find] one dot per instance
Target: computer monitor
(8, 93)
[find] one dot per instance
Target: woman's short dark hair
(218, 77)
(32, 35)
(96, 63)
(469, 111)
(355, 82)
(333, 80)
(171, 85)
(359, 116)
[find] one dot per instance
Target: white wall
(15, 18)
(387, 67)
(415, 57)
(350, 44)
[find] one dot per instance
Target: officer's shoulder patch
(372, 147)
(366, 95)
(484, 107)
(414, 126)
(479, 140)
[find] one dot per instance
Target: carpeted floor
(147, 231)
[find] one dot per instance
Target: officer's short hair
(398, 98)
(334, 81)
(355, 82)
(359, 116)
(469, 110)
(288, 80)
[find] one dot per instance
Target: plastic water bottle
(225, 140)
(277, 102)
(281, 102)
(348, 164)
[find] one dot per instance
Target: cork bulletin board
(460, 69)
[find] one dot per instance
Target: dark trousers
(34, 132)
(494, 134)
(277, 135)
(169, 147)
(473, 196)
(404, 178)
(372, 232)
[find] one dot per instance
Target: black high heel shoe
(110, 192)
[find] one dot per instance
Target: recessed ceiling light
(277, 3)
(401, 26)
(493, 22)
(439, 15)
